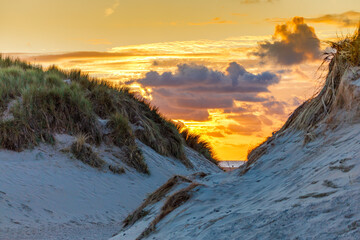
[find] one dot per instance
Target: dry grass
(122, 136)
(324, 106)
(116, 169)
(14, 135)
(134, 158)
(254, 154)
(44, 105)
(62, 109)
(172, 202)
(49, 105)
(160, 134)
(153, 129)
(84, 153)
(311, 112)
(154, 198)
(194, 141)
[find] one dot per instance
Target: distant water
(230, 165)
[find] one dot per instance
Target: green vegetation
(160, 134)
(122, 136)
(41, 103)
(84, 153)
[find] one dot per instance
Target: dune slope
(302, 183)
(78, 155)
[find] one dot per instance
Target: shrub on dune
(84, 152)
(14, 135)
(122, 136)
(194, 141)
(43, 103)
(122, 133)
(61, 109)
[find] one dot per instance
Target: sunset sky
(232, 70)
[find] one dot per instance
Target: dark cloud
(175, 112)
(236, 110)
(294, 43)
(266, 120)
(246, 123)
(301, 73)
(231, 89)
(274, 107)
(297, 101)
(195, 87)
(186, 75)
(199, 78)
(224, 129)
(246, 119)
(244, 130)
(204, 102)
(346, 19)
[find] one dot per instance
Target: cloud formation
(109, 11)
(244, 130)
(107, 55)
(196, 88)
(346, 19)
(199, 78)
(274, 107)
(293, 43)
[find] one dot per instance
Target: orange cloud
(217, 134)
(276, 20)
(346, 19)
(294, 42)
(199, 88)
(244, 130)
(106, 55)
(207, 106)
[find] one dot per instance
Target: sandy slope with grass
(292, 192)
(78, 155)
(301, 183)
(46, 193)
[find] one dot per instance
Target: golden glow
(223, 130)
(122, 40)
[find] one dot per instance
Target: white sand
(47, 194)
(292, 192)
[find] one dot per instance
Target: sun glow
(182, 64)
(230, 133)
